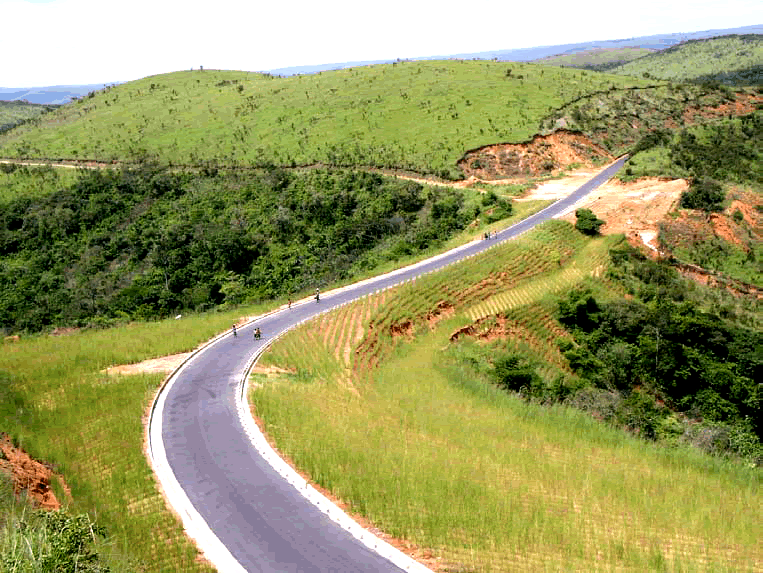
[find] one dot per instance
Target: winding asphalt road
(265, 524)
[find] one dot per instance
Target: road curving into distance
(246, 509)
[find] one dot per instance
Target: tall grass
(89, 426)
(431, 453)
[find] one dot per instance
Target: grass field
(89, 426)
(413, 439)
(733, 60)
(420, 116)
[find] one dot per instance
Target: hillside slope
(420, 116)
(731, 60)
(13, 113)
(597, 59)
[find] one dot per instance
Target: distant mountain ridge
(64, 94)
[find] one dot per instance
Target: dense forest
(146, 242)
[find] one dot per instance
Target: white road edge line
(320, 501)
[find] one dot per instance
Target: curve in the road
(216, 469)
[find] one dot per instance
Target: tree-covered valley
(146, 242)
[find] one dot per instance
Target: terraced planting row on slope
(412, 115)
(588, 261)
(411, 439)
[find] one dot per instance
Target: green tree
(705, 194)
(587, 223)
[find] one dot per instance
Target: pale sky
(61, 42)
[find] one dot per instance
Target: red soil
(543, 155)
(28, 475)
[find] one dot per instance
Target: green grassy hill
(731, 60)
(596, 59)
(420, 116)
(13, 113)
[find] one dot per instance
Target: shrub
(704, 194)
(587, 223)
(513, 373)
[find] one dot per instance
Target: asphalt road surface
(267, 525)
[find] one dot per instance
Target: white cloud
(92, 41)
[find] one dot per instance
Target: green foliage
(662, 346)
(498, 208)
(731, 60)
(512, 372)
(420, 116)
(727, 150)
(705, 194)
(148, 242)
(620, 118)
(587, 222)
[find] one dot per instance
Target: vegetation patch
(41, 541)
(619, 119)
(16, 113)
(596, 59)
(147, 242)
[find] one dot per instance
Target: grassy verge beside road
(89, 426)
